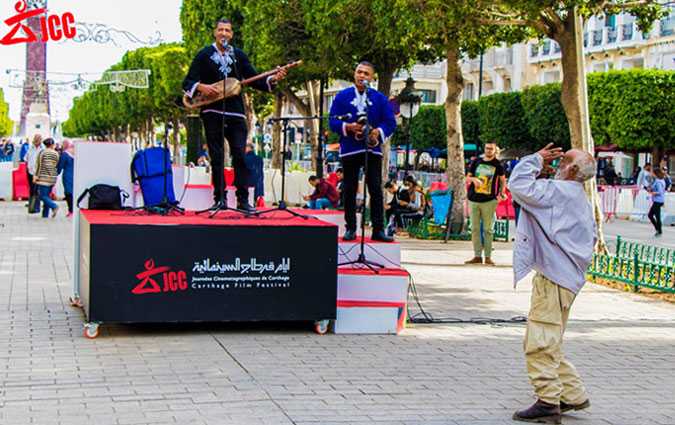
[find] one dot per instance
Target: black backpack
(104, 197)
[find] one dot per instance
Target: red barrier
(20, 186)
(229, 176)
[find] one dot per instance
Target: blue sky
(143, 18)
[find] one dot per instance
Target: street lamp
(409, 101)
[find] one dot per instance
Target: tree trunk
(175, 136)
(657, 155)
(313, 101)
(384, 86)
(250, 116)
(575, 102)
(569, 94)
(455, 162)
(276, 132)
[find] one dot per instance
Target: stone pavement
(454, 374)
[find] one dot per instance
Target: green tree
(545, 116)
(470, 122)
(649, 126)
(453, 29)
(502, 120)
(428, 128)
(6, 124)
(557, 20)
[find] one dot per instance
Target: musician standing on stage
(225, 118)
(355, 102)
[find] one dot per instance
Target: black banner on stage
(187, 273)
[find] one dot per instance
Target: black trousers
(351, 166)
(69, 202)
(654, 216)
(235, 130)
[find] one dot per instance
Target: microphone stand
(361, 259)
(221, 204)
(282, 206)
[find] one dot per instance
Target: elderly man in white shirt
(31, 167)
(555, 237)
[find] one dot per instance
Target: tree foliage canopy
(100, 111)
(6, 124)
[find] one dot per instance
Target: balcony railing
(546, 48)
(627, 32)
(667, 26)
(534, 50)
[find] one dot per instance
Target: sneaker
(474, 260)
(69, 215)
(54, 211)
(658, 234)
(488, 261)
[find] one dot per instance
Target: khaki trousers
(485, 212)
(553, 377)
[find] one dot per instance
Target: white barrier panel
(6, 183)
(370, 303)
(368, 320)
(387, 286)
(336, 217)
(96, 163)
(297, 186)
(387, 254)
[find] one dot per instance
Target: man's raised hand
(550, 153)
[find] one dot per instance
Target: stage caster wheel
(75, 302)
(91, 330)
(321, 327)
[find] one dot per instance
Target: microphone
(344, 117)
(365, 83)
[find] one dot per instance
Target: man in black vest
(225, 119)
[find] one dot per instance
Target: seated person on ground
(324, 195)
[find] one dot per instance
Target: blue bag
(151, 167)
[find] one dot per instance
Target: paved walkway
(451, 374)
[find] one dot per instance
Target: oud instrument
(230, 87)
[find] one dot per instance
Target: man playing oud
(225, 119)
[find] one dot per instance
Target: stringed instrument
(230, 87)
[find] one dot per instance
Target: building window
(428, 96)
(551, 77)
(534, 50)
(507, 85)
(468, 92)
(634, 63)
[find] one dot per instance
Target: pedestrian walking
(556, 236)
(658, 194)
(46, 172)
(31, 165)
(487, 183)
(66, 168)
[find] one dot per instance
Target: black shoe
(564, 407)
(349, 235)
(540, 413)
(245, 207)
(381, 237)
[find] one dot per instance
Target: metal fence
(633, 272)
(645, 253)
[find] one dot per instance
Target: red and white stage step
(387, 254)
(371, 302)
